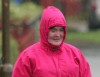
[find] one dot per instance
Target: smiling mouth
(56, 39)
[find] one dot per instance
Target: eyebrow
(55, 26)
(52, 27)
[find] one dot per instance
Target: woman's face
(56, 35)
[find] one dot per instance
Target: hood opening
(51, 16)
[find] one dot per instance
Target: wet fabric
(37, 61)
(51, 17)
(41, 60)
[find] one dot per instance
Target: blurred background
(19, 28)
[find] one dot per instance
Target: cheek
(62, 34)
(50, 35)
(50, 38)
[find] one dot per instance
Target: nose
(58, 33)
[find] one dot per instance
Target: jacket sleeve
(22, 67)
(83, 66)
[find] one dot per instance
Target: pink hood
(36, 61)
(51, 17)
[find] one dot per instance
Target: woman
(51, 57)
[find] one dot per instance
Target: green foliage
(25, 9)
(36, 1)
(13, 49)
(92, 36)
(20, 10)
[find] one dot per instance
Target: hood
(51, 16)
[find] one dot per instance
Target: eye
(53, 29)
(62, 29)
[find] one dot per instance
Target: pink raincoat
(44, 60)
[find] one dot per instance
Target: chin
(56, 44)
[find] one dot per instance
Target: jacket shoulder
(70, 46)
(72, 49)
(30, 51)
